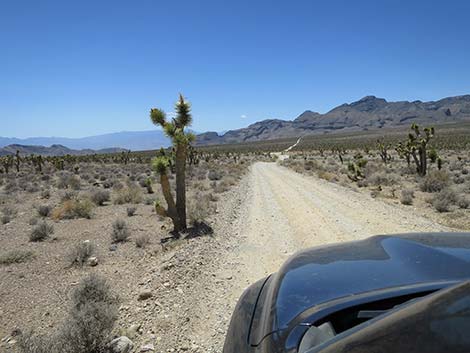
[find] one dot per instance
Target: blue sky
(78, 68)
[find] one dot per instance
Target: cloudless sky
(79, 68)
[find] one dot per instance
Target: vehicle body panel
(381, 265)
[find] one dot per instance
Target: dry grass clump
(87, 327)
(80, 253)
(200, 208)
(382, 178)
(443, 200)
(120, 232)
(68, 181)
(142, 240)
(74, 208)
(130, 193)
(8, 212)
(435, 181)
(41, 232)
(16, 256)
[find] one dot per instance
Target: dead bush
(72, 209)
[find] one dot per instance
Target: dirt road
(284, 212)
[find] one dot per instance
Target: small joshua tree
(404, 151)
(18, 161)
(355, 168)
(383, 151)
(175, 129)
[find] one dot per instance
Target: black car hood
(322, 274)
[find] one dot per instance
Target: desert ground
(249, 212)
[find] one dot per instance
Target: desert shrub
(10, 187)
(131, 211)
(15, 256)
(5, 219)
(44, 210)
(68, 195)
(33, 221)
(435, 181)
(463, 201)
(99, 197)
(80, 253)
(32, 188)
(142, 240)
(149, 201)
(72, 209)
(128, 194)
(406, 197)
(68, 181)
(41, 232)
(443, 200)
(221, 186)
(382, 178)
(120, 232)
(214, 175)
(88, 326)
(200, 208)
(328, 176)
(9, 211)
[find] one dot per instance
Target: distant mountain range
(54, 150)
(131, 140)
(369, 113)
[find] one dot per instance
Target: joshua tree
(383, 151)
(18, 161)
(175, 129)
(7, 163)
(404, 151)
(417, 143)
(355, 168)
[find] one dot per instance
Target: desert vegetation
(421, 169)
(66, 218)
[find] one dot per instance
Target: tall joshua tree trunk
(180, 167)
(171, 207)
(175, 129)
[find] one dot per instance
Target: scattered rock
(145, 295)
(113, 247)
(121, 345)
(92, 261)
(147, 348)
